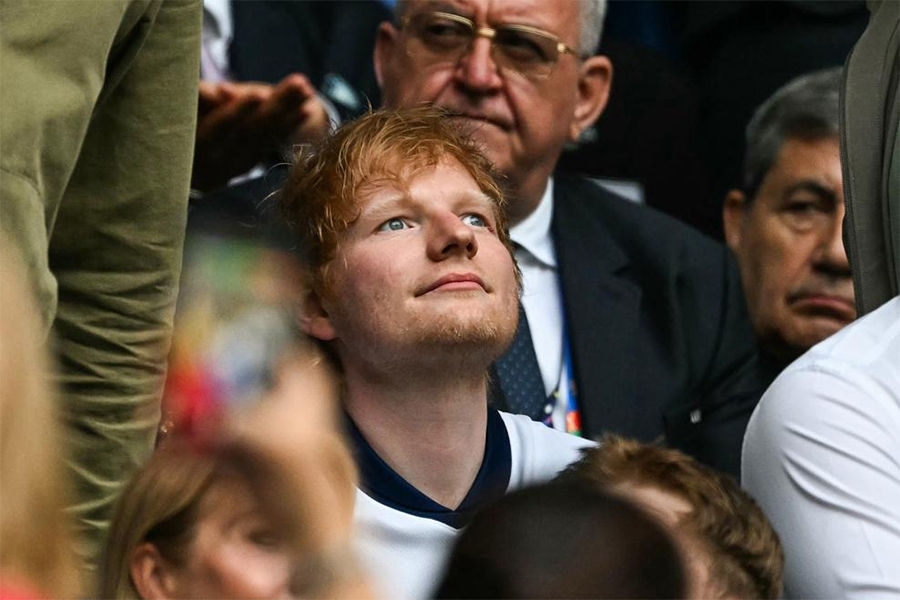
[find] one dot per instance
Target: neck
(524, 199)
(437, 419)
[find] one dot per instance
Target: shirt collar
(532, 234)
(219, 14)
(382, 483)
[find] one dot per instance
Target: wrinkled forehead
(553, 14)
(397, 177)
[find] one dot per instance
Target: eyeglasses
(440, 37)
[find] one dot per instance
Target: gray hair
(592, 14)
(807, 107)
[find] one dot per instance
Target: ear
(314, 318)
(151, 573)
(594, 81)
(733, 212)
(386, 45)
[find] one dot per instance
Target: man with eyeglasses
(634, 323)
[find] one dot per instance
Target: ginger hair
(320, 199)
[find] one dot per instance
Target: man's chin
(810, 332)
(475, 336)
(463, 334)
(821, 328)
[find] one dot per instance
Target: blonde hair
(160, 505)
(746, 554)
(166, 499)
(36, 536)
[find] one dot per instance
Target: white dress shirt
(218, 31)
(542, 299)
(822, 458)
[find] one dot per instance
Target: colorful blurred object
(235, 319)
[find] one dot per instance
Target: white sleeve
(539, 453)
(822, 458)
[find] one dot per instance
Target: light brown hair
(747, 560)
(168, 497)
(160, 505)
(36, 536)
(321, 197)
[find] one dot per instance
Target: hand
(243, 124)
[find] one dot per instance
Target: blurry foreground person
(784, 224)
(97, 130)
(731, 549)
(262, 515)
(36, 536)
(564, 541)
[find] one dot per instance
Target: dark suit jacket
(274, 38)
(661, 341)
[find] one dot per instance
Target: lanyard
(566, 373)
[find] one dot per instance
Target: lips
(454, 282)
(826, 305)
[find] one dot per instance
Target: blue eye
(395, 224)
(474, 220)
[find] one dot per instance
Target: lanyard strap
(566, 373)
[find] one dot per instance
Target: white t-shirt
(822, 458)
(404, 554)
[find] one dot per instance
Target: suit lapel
(602, 309)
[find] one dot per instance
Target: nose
(831, 256)
(476, 70)
(449, 236)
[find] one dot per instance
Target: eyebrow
(400, 199)
(386, 200)
(443, 6)
(812, 186)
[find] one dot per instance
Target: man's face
(788, 243)
(523, 122)
(421, 275)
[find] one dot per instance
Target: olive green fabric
(870, 111)
(98, 105)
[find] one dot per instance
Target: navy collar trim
(382, 483)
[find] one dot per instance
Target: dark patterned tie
(520, 375)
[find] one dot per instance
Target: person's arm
(97, 132)
(822, 458)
